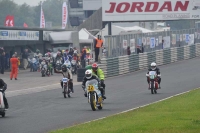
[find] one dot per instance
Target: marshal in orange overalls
(14, 67)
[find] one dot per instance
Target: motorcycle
(153, 81)
(66, 89)
(2, 106)
(33, 64)
(74, 66)
(94, 95)
(58, 66)
(44, 70)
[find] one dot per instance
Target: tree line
(31, 14)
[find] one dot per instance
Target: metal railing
(126, 64)
(115, 44)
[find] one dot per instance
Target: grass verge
(180, 114)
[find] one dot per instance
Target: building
(80, 10)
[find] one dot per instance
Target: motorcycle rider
(38, 55)
(50, 61)
(100, 74)
(90, 76)
(66, 72)
(157, 70)
(4, 86)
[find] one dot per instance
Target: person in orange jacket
(14, 67)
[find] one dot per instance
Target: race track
(39, 112)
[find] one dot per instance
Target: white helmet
(88, 74)
(153, 66)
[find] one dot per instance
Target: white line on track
(134, 108)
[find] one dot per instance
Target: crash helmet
(153, 66)
(37, 51)
(88, 74)
(94, 67)
(64, 68)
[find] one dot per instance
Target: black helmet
(64, 68)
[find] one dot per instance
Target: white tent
(85, 36)
(116, 30)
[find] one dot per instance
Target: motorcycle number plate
(90, 88)
(64, 80)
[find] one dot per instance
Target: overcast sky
(29, 2)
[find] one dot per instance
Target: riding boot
(5, 102)
(103, 93)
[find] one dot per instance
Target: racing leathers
(85, 80)
(67, 74)
(157, 70)
(3, 85)
(100, 74)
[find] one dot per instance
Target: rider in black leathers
(155, 68)
(4, 86)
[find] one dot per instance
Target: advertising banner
(132, 45)
(153, 42)
(64, 15)
(19, 35)
(145, 10)
(166, 42)
(125, 44)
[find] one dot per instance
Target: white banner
(19, 35)
(166, 42)
(42, 19)
(153, 42)
(144, 41)
(145, 10)
(173, 39)
(160, 39)
(64, 15)
(125, 44)
(191, 39)
(132, 45)
(92, 4)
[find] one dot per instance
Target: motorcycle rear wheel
(152, 87)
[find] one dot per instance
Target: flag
(9, 21)
(25, 25)
(42, 19)
(64, 15)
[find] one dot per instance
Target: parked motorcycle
(153, 81)
(94, 95)
(2, 106)
(58, 66)
(66, 88)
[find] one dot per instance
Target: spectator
(7, 63)
(3, 61)
(128, 50)
(71, 51)
(142, 48)
(83, 57)
(138, 50)
(25, 58)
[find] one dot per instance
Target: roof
(85, 36)
(135, 28)
(60, 37)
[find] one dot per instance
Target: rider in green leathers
(100, 74)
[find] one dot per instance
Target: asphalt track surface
(40, 112)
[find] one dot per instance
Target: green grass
(180, 114)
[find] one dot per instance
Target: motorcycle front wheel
(152, 87)
(65, 92)
(93, 102)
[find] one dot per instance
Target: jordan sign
(147, 10)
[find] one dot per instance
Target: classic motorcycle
(2, 106)
(44, 69)
(153, 81)
(74, 66)
(66, 89)
(94, 95)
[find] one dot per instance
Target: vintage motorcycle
(94, 95)
(74, 66)
(153, 81)
(66, 88)
(2, 106)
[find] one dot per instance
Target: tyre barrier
(80, 74)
